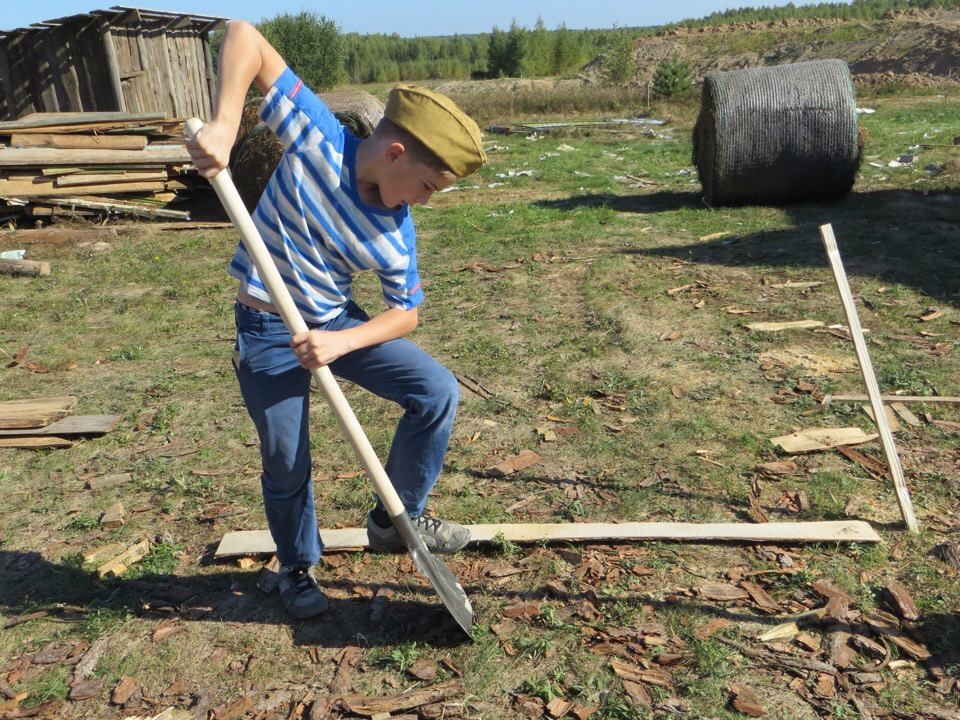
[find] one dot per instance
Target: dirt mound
(916, 47)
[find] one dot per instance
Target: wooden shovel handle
(279, 295)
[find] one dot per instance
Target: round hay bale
(257, 153)
(787, 133)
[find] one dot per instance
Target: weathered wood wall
(99, 63)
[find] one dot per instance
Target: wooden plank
(174, 104)
(827, 399)
(95, 178)
(76, 141)
(30, 443)
(908, 417)
(72, 425)
(116, 206)
(873, 390)
(892, 421)
(113, 69)
(210, 75)
(24, 267)
(13, 188)
(35, 412)
(814, 439)
(259, 542)
(102, 127)
(788, 325)
(38, 157)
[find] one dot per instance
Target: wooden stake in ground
(873, 390)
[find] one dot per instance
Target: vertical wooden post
(112, 66)
(873, 390)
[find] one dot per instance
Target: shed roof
(209, 22)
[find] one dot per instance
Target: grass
(564, 327)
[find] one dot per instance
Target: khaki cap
(437, 122)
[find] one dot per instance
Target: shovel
(439, 575)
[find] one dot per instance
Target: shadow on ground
(31, 583)
(895, 236)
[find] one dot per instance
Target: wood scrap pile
(48, 423)
(92, 164)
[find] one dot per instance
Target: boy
(335, 206)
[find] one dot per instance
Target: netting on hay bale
(787, 133)
(257, 152)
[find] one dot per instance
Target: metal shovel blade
(439, 575)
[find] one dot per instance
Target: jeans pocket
(238, 352)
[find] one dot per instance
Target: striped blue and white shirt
(314, 223)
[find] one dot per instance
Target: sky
(407, 17)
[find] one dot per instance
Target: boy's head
(427, 142)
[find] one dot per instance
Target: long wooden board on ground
(873, 389)
(35, 441)
(73, 425)
(827, 399)
(259, 542)
(34, 412)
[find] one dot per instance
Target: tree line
(324, 56)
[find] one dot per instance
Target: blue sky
(407, 17)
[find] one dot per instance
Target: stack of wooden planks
(92, 163)
(48, 423)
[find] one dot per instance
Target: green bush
(673, 77)
(311, 45)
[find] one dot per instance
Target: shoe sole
(400, 547)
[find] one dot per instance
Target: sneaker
(440, 536)
(299, 592)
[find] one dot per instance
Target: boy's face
(406, 180)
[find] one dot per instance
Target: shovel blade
(439, 575)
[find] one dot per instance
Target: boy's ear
(395, 151)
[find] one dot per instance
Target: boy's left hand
(318, 347)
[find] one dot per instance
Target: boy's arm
(318, 347)
(245, 58)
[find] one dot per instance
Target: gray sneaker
(299, 592)
(440, 536)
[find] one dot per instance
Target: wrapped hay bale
(257, 152)
(777, 134)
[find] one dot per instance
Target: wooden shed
(120, 59)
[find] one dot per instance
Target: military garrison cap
(437, 122)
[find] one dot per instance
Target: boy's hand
(318, 347)
(210, 148)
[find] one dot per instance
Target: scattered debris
(892, 421)
(789, 325)
(369, 706)
(105, 482)
(113, 517)
(745, 701)
(118, 565)
(778, 468)
(815, 439)
(516, 463)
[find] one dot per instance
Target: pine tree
(673, 77)
(566, 53)
(619, 63)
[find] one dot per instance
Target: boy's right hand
(210, 148)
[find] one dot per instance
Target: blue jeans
(276, 390)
